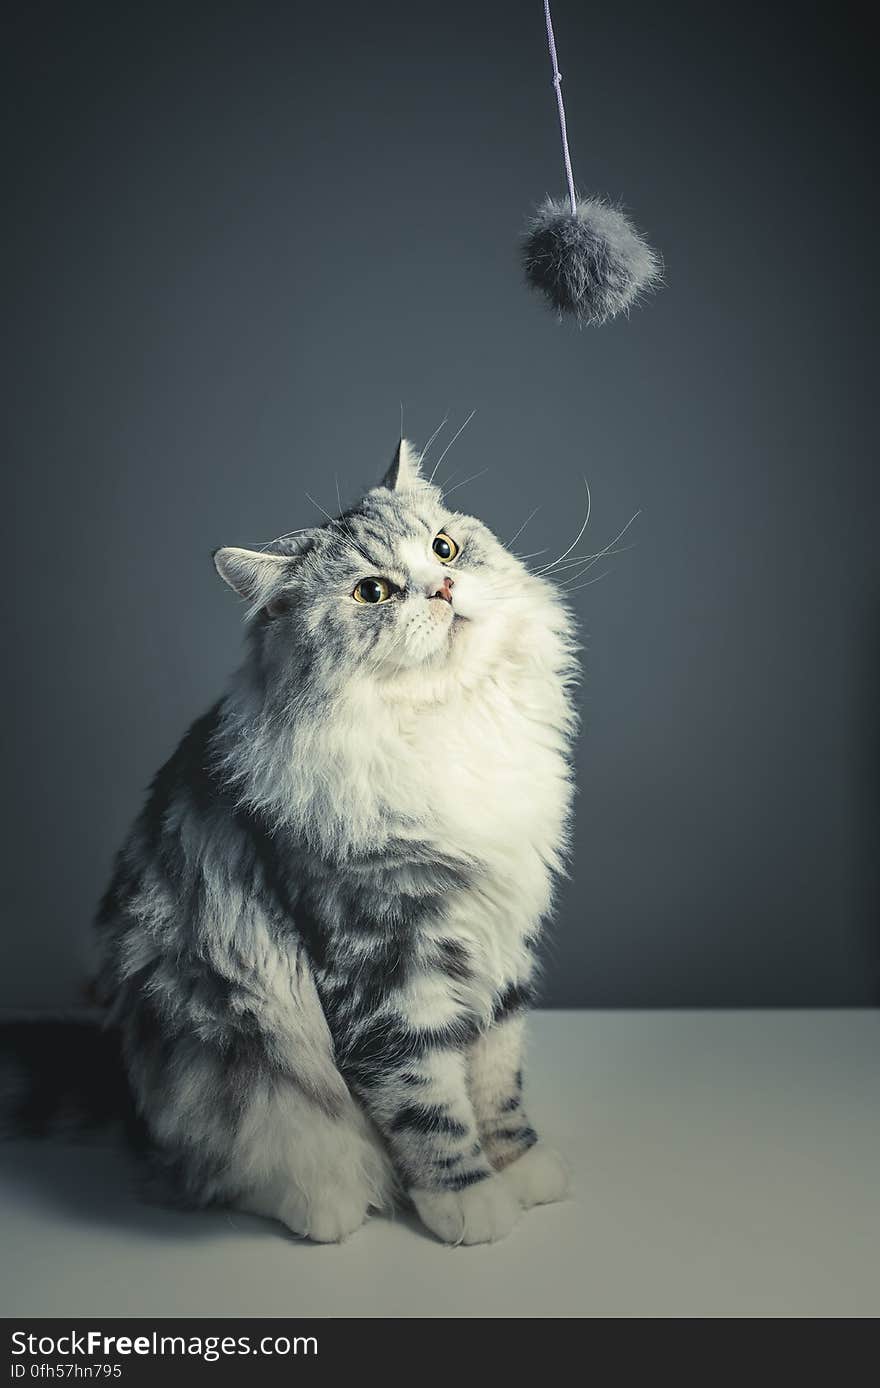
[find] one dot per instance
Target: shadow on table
(868, 800)
(93, 1184)
(97, 1184)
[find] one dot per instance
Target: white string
(557, 83)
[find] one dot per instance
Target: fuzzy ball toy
(584, 254)
(589, 259)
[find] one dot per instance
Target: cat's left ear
(404, 471)
(250, 573)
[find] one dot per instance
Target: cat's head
(399, 583)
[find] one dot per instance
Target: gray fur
(272, 921)
(592, 264)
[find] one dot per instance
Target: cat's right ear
(404, 472)
(250, 573)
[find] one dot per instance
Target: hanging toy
(583, 253)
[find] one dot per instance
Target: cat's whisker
(601, 552)
(452, 476)
(589, 559)
(449, 490)
(602, 575)
(529, 517)
(450, 443)
(444, 421)
(577, 539)
(332, 519)
(573, 561)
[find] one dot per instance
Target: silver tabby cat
(320, 936)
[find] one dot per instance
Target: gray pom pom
(591, 263)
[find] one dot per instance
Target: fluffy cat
(319, 941)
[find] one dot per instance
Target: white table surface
(726, 1164)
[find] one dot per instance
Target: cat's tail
(61, 1075)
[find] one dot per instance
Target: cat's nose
(444, 591)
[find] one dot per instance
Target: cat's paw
(538, 1177)
(481, 1213)
(328, 1217)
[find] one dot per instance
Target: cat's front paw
(538, 1177)
(329, 1216)
(481, 1213)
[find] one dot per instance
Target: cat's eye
(444, 547)
(372, 590)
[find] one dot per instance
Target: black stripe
(382, 1045)
(454, 959)
(525, 1134)
(449, 1161)
(515, 997)
(463, 1179)
(424, 1118)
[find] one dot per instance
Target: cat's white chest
(497, 787)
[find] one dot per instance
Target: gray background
(238, 236)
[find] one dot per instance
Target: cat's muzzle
(444, 591)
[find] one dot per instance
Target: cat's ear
(404, 470)
(250, 573)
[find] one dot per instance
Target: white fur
(482, 1213)
(538, 1177)
(316, 1174)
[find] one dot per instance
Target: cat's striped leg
(414, 1085)
(534, 1172)
(495, 1084)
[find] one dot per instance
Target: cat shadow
(92, 1183)
(868, 799)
